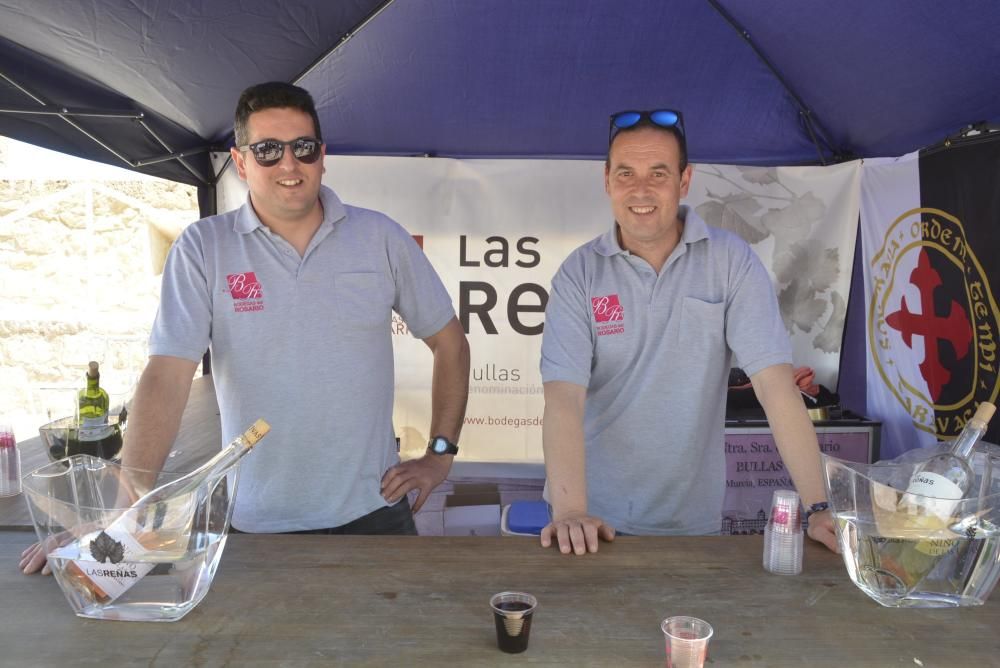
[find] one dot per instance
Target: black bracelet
(816, 508)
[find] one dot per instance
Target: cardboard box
(472, 510)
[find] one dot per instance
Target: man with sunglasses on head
(294, 293)
(641, 328)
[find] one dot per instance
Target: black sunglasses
(269, 152)
(664, 118)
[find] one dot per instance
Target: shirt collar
(333, 211)
(695, 229)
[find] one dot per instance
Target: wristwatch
(440, 445)
(816, 508)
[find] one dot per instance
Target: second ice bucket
(902, 555)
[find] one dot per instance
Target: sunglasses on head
(269, 152)
(664, 118)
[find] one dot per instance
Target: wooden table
(419, 601)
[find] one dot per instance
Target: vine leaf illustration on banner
(759, 207)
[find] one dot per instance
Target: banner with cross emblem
(929, 233)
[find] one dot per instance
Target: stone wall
(80, 264)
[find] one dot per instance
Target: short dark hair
(271, 95)
(646, 123)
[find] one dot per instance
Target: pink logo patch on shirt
(246, 292)
(608, 309)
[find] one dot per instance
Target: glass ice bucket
(908, 551)
(113, 560)
(61, 439)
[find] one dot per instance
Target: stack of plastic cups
(783, 535)
(10, 463)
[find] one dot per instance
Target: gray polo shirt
(304, 343)
(654, 352)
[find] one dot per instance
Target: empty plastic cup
(687, 641)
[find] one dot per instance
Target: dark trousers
(394, 520)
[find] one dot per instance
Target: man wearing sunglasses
(641, 329)
(317, 361)
(294, 292)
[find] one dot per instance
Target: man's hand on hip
(424, 473)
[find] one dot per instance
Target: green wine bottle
(93, 400)
(95, 435)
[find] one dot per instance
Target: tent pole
(812, 125)
(65, 111)
(179, 156)
(68, 120)
(806, 116)
(145, 162)
(208, 205)
(66, 114)
(975, 133)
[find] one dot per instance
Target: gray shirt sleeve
(420, 297)
(568, 338)
(183, 322)
(755, 331)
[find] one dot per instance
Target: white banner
(802, 223)
(497, 230)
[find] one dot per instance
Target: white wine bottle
(214, 468)
(155, 529)
(947, 478)
(917, 534)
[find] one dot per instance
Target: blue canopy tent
(150, 85)
(766, 83)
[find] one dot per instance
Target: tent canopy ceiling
(764, 83)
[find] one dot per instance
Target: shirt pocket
(362, 300)
(703, 326)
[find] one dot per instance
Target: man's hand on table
(424, 473)
(577, 533)
(33, 559)
(822, 530)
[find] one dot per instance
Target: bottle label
(935, 547)
(109, 557)
(931, 493)
(95, 432)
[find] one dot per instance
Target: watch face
(440, 445)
